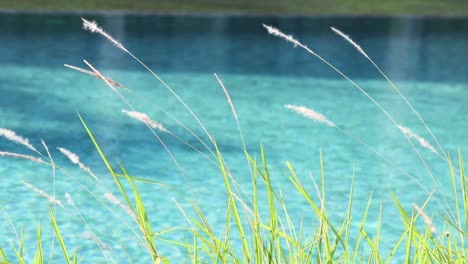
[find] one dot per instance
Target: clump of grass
(257, 231)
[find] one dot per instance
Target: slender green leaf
(38, 258)
(59, 236)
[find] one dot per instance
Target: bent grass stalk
(142, 117)
(42, 193)
(145, 99)
(54, 185)
(276, 32)
(149, 127)
(116, 92)
(94, 74)
(153, 125)
(51, 198)
(142, 220)
(21, 156)
(313, 115)
(76, 160)
(102, 246)
(104, 205)
(60, 239)
(358, 47)
(234, 113)
(94, 28)
(12, 136)
(238, 188)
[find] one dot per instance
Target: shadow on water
(405, 47)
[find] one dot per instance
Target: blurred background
(345, 7)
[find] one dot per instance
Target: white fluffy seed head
(276, 32)
(426, 219)
(76, 160)
(21, 156)
(311, 114)
(49, 197)
(93, 27)
(348, 39)
(145, 119)
(421, 140)
(12, 136)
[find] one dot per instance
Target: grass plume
(12, 136)
(392, 84)
(94, 74)
(311, 114)
(21, 156)
(49, 197)
(76, 160)
(145, 119)
(421, 140)
(93, 27)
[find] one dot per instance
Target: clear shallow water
(40, 99)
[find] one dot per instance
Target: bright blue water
(40, 98)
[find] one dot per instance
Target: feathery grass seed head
(93, 27)
(21, 156)
(145, 119)
(311, 114)
(347, 38)
(94, 74)
(12, 136)
(421, 140)
(44, 194)
(276, 32)
(76, 160)
(426, 219)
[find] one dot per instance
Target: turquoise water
(41, 98)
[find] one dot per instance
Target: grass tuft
(260, 230)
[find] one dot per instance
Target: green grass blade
(22, 242)
(256, 223)
(59, 236)
(377, 236)
(363, 221)
(143, 220)
(19, 256)
(271, 205)
(3, 256)
(233, 205)
(348, 216)
(106, 162)
(146, 181)
(464, 189)
(299, 186)
(75, 257)
(454, 188)
(397, 245)
(38, 258)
